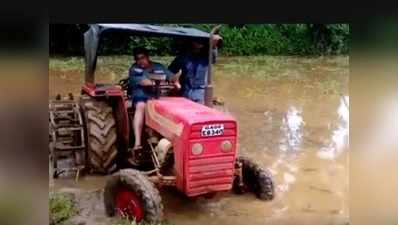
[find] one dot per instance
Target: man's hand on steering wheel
(124, 83)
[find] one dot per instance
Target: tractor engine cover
(204, 143)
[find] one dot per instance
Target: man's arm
(176, 65)
(138, 77)
(147, 82)
(172, 77)
(214, 51)
(217, 39)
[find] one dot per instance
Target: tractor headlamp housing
(197, 149)
(226, 146)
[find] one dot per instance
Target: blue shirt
(194, 70)
(137, 74)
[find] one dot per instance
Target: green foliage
(281, 39)
(61, 208)
(239, 40)
(340, 34)
(329, 39)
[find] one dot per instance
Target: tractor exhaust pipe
(91, 40)
(209, 86)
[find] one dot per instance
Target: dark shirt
(194, 70)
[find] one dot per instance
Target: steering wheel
(159, 84)
(124, 83)
(162, 87)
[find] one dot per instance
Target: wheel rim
(128, 205)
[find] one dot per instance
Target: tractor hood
(208, 167)
(92, 38)
(174, 116)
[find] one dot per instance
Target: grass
(104, 63)
(330, 87)
(62, 208)
(66, 63)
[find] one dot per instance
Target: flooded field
(293, 115)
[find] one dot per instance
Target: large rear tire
(101, 136)
(129, 193)
(255, 179)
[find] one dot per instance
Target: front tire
(130, 194)
(255, 179)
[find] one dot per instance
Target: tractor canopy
(92, 38)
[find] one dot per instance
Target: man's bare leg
(138, 122)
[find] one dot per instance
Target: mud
(293, 119)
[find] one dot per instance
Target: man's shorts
(196, 95)
(137, 99)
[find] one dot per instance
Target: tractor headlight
(197, 149)
(226, 146)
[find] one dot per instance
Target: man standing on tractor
(141, 87)
(194, 65)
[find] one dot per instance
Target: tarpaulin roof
(147, 29)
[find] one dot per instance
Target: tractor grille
(210, 174)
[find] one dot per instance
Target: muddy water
(293, 119)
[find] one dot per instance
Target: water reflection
(339, 137)
(292, 130)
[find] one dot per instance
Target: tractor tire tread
(258, 178)
(145, 190)
(101, 136)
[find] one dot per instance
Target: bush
(282, 39)
(239, 40)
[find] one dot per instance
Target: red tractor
(189, 146)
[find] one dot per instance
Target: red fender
(115, 96)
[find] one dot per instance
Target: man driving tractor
(141, 84)
(194, 65)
